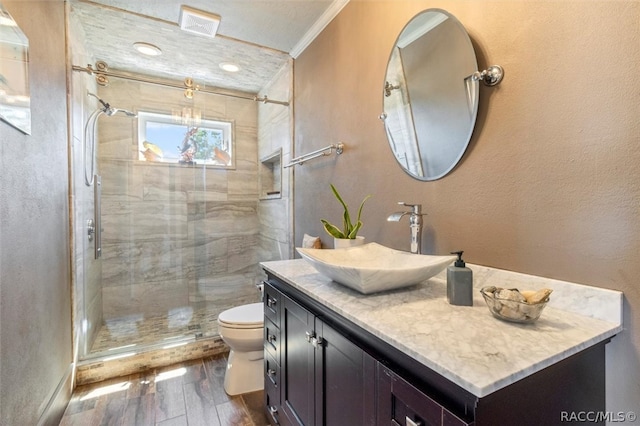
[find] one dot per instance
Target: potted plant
(348, 235)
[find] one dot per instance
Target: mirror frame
(410, 135)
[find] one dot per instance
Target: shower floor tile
(140, 330)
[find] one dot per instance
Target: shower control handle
(91, 229)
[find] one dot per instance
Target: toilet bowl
(242, 329)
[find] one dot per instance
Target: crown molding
(328, 15)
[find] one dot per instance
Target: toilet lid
(245, 316)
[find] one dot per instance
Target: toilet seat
(245, 316)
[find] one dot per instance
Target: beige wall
(35, 294)
(550, 184)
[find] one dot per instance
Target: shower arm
(105, 105)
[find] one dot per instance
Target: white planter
(347, 242)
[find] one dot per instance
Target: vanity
(334, 356)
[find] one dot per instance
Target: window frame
(226, 126)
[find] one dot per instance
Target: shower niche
(270, 176)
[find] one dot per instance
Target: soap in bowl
(514, 305)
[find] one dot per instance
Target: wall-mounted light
(147, 48)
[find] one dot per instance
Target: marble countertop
(466, 344)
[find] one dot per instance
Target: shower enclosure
(167, 233)
(180, 240)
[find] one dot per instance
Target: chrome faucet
(415, 222)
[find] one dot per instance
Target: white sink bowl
(371, 268)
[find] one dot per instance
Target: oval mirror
(430, 100)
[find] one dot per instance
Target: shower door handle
(97, 215)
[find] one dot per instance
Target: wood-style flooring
(190, 393)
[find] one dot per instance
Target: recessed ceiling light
(147, 48)
(227, 66)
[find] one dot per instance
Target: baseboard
(54, 410)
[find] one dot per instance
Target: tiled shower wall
(176, 236)
(275, 134)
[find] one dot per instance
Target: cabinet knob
(273, 410)
(271, 372)
(271, 338)
(310, 335)
(271, 302)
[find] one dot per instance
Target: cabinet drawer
(272, 399)
(272, 340)
(272, 303)
(402, 404)
(271, 372)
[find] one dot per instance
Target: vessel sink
(372, 267)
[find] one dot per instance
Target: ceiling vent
(199, 22)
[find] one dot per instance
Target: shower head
(113, 111)
(109, 110)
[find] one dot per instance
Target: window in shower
(185, 138)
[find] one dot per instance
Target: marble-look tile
(125, 263)
(224, 219)
(145, 221)
(271, 249)
(243, 185)
(466, 344)
(241, 254)
(144, 298)
(225, 292)
(121, 181)
(274, 219)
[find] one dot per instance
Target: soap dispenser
(459, 283)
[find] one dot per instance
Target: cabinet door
(297, 363)
(345, 380)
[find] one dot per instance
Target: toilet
(242, 329)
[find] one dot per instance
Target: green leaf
(332, 230)
(347, 219)
(354, 232)
(361, 206)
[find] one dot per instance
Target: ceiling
(260, 36)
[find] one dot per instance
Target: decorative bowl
(517, 307)
(372, 267)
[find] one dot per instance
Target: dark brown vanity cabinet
(321, 378)
(322, 369)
